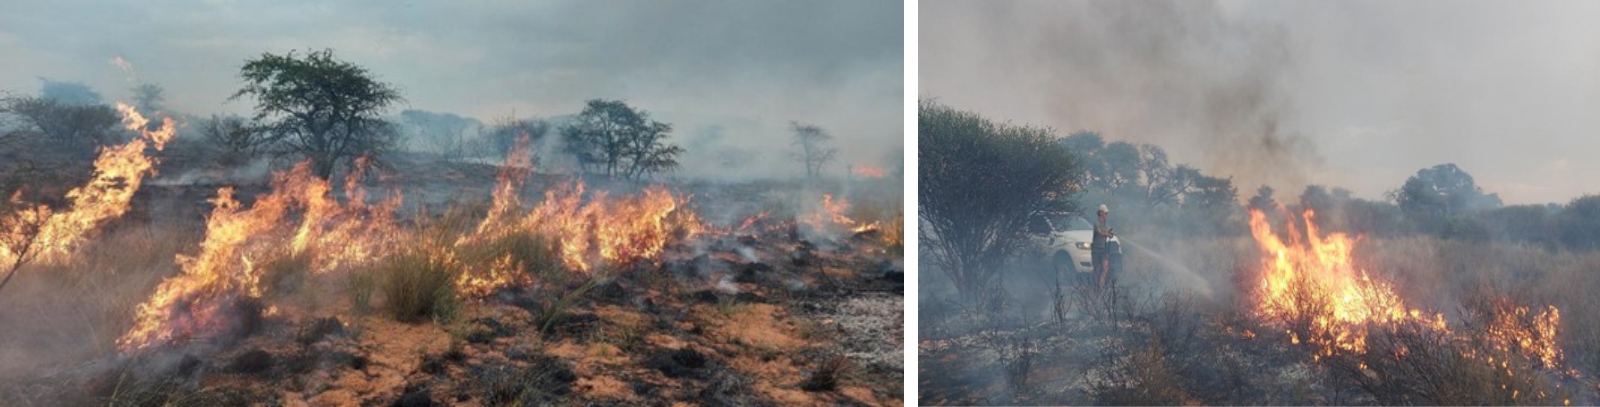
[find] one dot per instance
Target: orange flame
(1314, 287)
(867, 171)
(1515, 329)
(832, 220)
(594, 232)
(118, 173)
(193, 303)
(1325, 301)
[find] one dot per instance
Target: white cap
(1103, 209)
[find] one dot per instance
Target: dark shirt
(1101, 231)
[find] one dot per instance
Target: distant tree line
(316, 107)
(1148, 193)
(1143, 187)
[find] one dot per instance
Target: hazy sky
(741, 69)
(1352, 94)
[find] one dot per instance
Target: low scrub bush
(420, 284)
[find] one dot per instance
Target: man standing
(1097, 249)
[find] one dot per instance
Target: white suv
(1066, 239)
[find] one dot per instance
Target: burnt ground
(1152, 344)
(768, 318)
(1084, 360)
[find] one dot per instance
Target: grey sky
(1352, 94)
(746, 67)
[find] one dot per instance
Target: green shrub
(362, 285)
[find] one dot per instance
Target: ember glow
(118, 173)
(867, 171)
(1517, 330)
(1313, 288)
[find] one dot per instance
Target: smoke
(127, 68)
(1178, 273)
(1209, 87)
(1351, 94)
(748, 67)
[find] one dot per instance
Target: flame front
(832, 219)
(118, 173)
(196, 302)
(1321, 299)
(593, 232)
(1313, 288)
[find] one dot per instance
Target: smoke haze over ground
(742, 70)
(1352, 94)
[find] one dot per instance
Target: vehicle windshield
(1070, 222)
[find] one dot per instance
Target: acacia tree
(1440, 191)
(980, 183)
(811, 148)
(614, 138)
(149, 98)
(320, 107)
(64, 123)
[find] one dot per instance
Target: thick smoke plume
(1211, 87)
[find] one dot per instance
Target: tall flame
(1314, 287)
(194, 303)
(1328, 303)
(118, 173)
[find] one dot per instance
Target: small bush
(544, 383)
(361, 286)
(420, 284)
(826, 375)
(1436, 369)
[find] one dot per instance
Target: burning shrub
(420, 284)
(1314, 289)
(329, 236)
(529, 252)
(1409, 364)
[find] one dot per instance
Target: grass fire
(323, 240)
(1256, 203)
(1212, 302)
